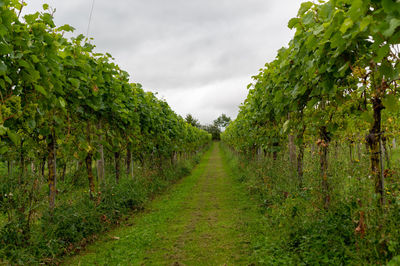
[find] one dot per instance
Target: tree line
(215, 128)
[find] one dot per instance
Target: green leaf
(48, 19)
(391, 103)
(382, 52)
(40, 89)
(3, 30)
(8, 80)
(393, 24)
(348, 23)
(66, 27)
(58, 120)
(309, 18)
(396, 71)
(356, 10)
(31, 123)
(31, 18)
(35, 59)
(343, 68)
(3, 68)
(318, 30)
(293, 22)
(365, 22)
(3, 149)
(304, 8)
(62, 102)
(3, 130)
(5, 48)
(24, 64)
(326, 11)
(389, 6)
(14, 137)
(33, 75)
(45, 6)
(285, 126)
(74, 82)
(387, 70)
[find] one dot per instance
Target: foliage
(192, 121)
(335, 88)
(65, 108)
(73, 224)
(217, 126)
(214, 130)
(222, 121)
(298, 230)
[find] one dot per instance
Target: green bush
(76, 218)
(298, 230)
(71, 223)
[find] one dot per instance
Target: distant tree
(216, 127)
(193, 121)
(222, 121)
(214, 130)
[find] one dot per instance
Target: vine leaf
(41, 90)
(14, 137)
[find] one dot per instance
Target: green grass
(133, 241)
(230, 211)
(206, 219)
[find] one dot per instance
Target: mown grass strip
(127, 245)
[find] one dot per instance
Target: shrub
(76, 218)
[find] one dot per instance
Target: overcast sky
(199, 55)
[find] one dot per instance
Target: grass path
(203, 220)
